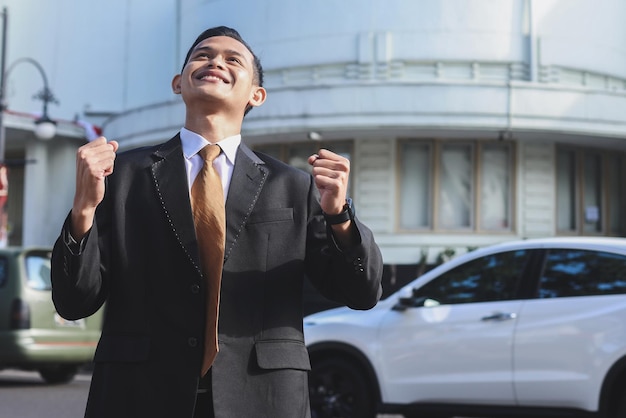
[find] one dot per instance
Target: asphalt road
(25, 395)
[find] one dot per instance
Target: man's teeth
(211, 77)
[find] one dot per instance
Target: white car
(525, 328)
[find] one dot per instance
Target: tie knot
(210, 152)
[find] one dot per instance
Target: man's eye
(235, 59)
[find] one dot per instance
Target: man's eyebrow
(226, 51)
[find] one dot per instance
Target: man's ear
(176, 84)
(258, 96)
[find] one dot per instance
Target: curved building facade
(466, 122)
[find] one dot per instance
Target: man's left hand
(330, 172)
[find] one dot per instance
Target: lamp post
(45, 128)
(3, 56)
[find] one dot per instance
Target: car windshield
(38, 270)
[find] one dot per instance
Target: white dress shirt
(224, 163)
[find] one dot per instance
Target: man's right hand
(94, 161)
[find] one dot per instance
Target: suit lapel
(169, 175)
(248, 178)
(170, 179)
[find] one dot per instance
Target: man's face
(220, 70)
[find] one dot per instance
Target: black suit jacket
(141, 257)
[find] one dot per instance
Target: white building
(467, 122)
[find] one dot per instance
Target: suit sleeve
(78, 288)
(349, 276)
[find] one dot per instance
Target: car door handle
(499, 316)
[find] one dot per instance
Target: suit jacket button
(195, 289)
(193, 342)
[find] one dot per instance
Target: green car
(32, 334)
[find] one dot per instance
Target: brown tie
(207, 203)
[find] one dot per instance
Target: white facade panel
(582, 34)
(538, 192)
(375, 197)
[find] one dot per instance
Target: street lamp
(45, 128)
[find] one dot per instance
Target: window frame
(436, 147)
(283, 153)
(606, 200)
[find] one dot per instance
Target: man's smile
(211, 75)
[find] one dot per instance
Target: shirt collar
(192, 143)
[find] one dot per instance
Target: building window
(566, 190)
(617, 198)
(416, 190)
(496, 187)
(456, 189)
(297, 154)
(472, 180)
(590, 192)
(592, 200)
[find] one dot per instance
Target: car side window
(490, 278)
(38, 271)
(572, 272)
(4, 271)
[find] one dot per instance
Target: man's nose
(216, 61)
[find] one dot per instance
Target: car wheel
(58, 374)
(621, 405)
(338, 388)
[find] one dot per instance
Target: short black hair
(231, 33)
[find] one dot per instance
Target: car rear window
(573, 272)
(38, 270)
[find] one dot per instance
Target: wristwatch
(346, 215)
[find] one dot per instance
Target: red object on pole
(4, 196)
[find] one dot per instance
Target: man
(130, 241)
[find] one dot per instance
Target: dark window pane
(456, 189)
(592, 193)
(4, 271)
(415, 185)
(566, 190)
(491, 278)
(495, 186)
(582, 273)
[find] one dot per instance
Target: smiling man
(202, 318)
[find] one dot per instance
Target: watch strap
(346, 215)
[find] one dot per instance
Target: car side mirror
(405, 302)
